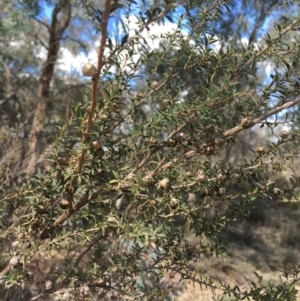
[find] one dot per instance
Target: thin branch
(287, 157)
(90, 122)
(88, 247)
(42, 23)
(6, 270)
(137, 35)
(227, 134)
(81, 44)
(69, 87)
(41, 42)
(269, 45)
(95, 83)
(156, 149)
(258, 120)
(67, 214)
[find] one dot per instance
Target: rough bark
(61, 16)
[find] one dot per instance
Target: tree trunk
(61, 16)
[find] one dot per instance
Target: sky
(73, 63)
(69, 62)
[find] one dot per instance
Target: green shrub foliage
(145, 158)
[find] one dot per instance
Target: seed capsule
(42, 209)
(85, 291)
(154, 84)
(247, 122)
(284, 134)
(222, 177)
(184, 136)
(153, 141)
(165, 184)
(201, 177)
(88, 70)
(222, 191)
(166, 103)
(209, 151)
(206, 190)
(14, 261)
(152, 203)
(189, 174)
(171, 142)
(96, 145)
(148, 180)
(64, 204)
(174, 202)
(261, 150)
(48, 285)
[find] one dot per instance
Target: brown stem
(268, 46)
(101, 63)
(85, 199)
(88, 247)
(272, 112)
(6, 270)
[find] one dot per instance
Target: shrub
(142, 160)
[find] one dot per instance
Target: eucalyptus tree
(36, 90)
(108, 219)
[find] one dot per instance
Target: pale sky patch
(70, 63)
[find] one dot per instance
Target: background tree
(135, 168)
(29, 30)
